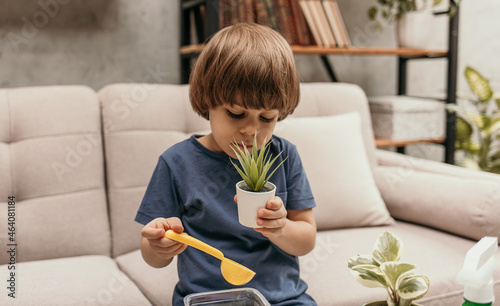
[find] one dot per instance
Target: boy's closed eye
(240, 116)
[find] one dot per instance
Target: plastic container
(237, 297)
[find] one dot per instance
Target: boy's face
(230, 123)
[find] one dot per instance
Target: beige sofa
(78, 163)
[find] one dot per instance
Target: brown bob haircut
(247, 61)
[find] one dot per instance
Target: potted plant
(409, 16)
(255, 189)
(383, 269)
(478, 125)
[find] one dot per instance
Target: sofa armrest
(393, 159)
(463, 206)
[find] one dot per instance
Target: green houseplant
(383, 269)
(410, 17)
(393, 10)
(478, 124)
(255, 189)
(256, 165)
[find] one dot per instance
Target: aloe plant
(383, 269)
(478, 124)
(255, 165)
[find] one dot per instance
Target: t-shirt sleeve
(299, 193)
(160, 199)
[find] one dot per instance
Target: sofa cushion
(84, 280)
(334, 158)
(327, 99)
(156, 284)
(140, 122)
(438, 255)
(52, 162)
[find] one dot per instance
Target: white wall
(91, 42)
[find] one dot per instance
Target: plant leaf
(413, 287)
(360, 260)
(369, 276)
(242, 174)
(276, 168)
(387, 248)
(482, 122)
(478, 84)
(255, 164)
(464, 129)
(393, 270)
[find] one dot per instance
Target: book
(248, 11)
(261, 15)
(273, 19)
(323, 26)
(334, 22)
(304, 5)
(301, 27)
(225, 13)
(285, 20)
(345, 34)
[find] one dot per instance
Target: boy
(244, 81)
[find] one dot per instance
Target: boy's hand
(272, 218)
(154, 232)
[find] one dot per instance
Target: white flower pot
(413, 29)
(249, 203)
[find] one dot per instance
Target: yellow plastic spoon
(233, 272)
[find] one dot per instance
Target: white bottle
(477, 272)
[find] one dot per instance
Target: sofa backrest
(140, 121)
(51, 161)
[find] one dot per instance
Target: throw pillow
(335, 161)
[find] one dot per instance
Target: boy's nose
(249, 128)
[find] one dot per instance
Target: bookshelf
(208, 25)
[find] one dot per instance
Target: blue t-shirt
(197, 185)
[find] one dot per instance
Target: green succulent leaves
(255, 165)
(383, 269)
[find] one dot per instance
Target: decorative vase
(249, 202)
(412, 29)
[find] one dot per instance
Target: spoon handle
(195, 243)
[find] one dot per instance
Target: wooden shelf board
(407, 52)
(391, 143)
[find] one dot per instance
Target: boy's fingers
(274, 204)
(152, 233)
(156, 229)
(175, 224)
(236, 199)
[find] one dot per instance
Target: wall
(92, 42)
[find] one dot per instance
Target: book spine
(332, 20)
(303, 32)
(284, 19)
(304, 5)
(342, 24)
(261, 13)
(272, 14)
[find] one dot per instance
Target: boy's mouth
(242, 146)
